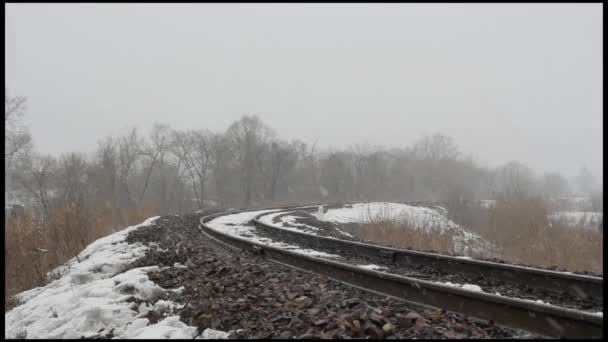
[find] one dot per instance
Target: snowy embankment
(587, 219)
(427, 219)
(96, 298)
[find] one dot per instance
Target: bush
(519, 227)
(34, 248)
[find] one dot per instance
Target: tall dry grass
(403, 229)
(34, 247)
(402, 235)
(519, 226)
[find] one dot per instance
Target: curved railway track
(548, 320)
(572, 290)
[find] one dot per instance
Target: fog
(507, 82)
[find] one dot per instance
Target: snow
(288, 222)
(372, 267)
(427, 219)
(213, 334)
(487, 203)
(90, 297)
(470, 287)
(589, 219)
(236, 225)
(170, 327)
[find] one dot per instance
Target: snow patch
(89, 298)
(465, 242)
(236, 225)
(213, 334)
(372, 267)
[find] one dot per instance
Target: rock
(350, 302)
(301, 299)
(373, 330)
(374, 317)
(450, 334)
(437, 315)
(421, 324)
(320, 322)
(413, 316)
(313, 311)
(388, 328)
(459, 327)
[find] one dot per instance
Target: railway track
(548, 320)
(570, 290)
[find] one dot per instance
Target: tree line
(250, 164)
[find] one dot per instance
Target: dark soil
(254, 298)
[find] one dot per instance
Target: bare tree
(435, 147)
(222, 158)
(584, 181)
(554, 184)
(128, 153)
(36, 178)
(160, 140)
(515, 178)
(249, 135)
(17, 139)
(282, 158)
(202, 161)
(195, 152)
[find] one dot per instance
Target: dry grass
(518, 225)
(397, 228)
(401, 235)
(33, 248)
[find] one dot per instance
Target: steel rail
(515, 313)
(581, 286)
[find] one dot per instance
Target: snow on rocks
(470, 287)
(372, 267)
(286, 221)
(210, 334)
(237, 225)
(93, 297)
(170, 327)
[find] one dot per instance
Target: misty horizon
(335, 75)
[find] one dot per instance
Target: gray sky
(510, 81)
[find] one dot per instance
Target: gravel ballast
(564, 299)
(251, 297)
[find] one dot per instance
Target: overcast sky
(508, 82)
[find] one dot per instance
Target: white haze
(507, 81)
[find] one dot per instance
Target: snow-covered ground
(487, 203)
(237, 225)
(289, 222)
(589, 219)
(90, 298)
(416, 217)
